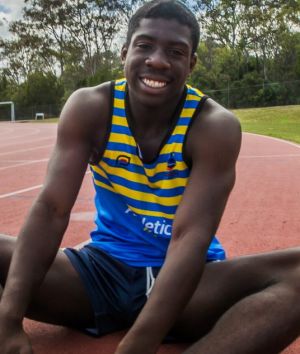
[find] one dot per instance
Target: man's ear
(124, 51)
(193, 61)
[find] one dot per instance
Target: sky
(10, 10)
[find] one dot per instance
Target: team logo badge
(123, 160)
(171, 163)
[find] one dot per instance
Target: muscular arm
(41, 234)
(213, 145)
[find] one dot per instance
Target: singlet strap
(150, 280)
(195, 115)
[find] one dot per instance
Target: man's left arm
(213, 146)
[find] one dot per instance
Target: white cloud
(9, 11)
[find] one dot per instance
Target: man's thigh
(225, 283)
(61, 299)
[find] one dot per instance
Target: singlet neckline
(174, 120)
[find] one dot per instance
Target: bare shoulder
(215, 134)
(88, 105)
(86, 115)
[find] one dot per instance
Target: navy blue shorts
(117, 291)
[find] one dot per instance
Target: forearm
(174, 287)
(35, 250)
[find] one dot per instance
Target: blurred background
(249, 53)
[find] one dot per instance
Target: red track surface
(262, 214)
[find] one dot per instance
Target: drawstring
(139, 152)
(150, 281)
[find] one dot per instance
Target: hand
(14, 341)
(134, 348)
(120, 350)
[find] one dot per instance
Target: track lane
(262, 214)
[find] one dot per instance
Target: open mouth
(154, 83)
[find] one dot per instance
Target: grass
(47, 120)
(281, 122)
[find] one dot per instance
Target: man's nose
(158, 59)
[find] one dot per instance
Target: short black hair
(166, 9)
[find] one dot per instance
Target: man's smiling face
(158, 60)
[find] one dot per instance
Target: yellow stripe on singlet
(138, 178)
(152, 213)
(117, 120)
(121, 138)
(150, 172)
(119, 103)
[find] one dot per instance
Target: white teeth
(154, 84)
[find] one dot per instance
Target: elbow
(197, 240)
(49, 209)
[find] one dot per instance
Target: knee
(7, 245)
(282, 267)
(292, 281)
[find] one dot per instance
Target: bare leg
(259, 324)
(245, 306)
(61, 298)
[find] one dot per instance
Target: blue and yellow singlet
(136, 201)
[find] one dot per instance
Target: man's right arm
(42, 233)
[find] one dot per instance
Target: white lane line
(20, 191)
(83, 216)
(25, 133)
(276, 139)
(268, 156)
(5, 132)
(25, 150)
(26, 142)
(80, 245)
(16, 161)
(23, 164)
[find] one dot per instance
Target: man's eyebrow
(143, 36)
(152, 38)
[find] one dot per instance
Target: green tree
(244, 43)
(4, 88)
(39, 89)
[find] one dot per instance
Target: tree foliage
(39, 89)
(244, 43)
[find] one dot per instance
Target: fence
(234, 95)
(29, 113)
(266, 94)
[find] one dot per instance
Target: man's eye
(143, 46)
(176, 52)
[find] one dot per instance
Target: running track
(262, 213)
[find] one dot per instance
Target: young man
(163, 161)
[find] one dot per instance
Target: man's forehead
(169, 30)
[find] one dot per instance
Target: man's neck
(152, 118)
